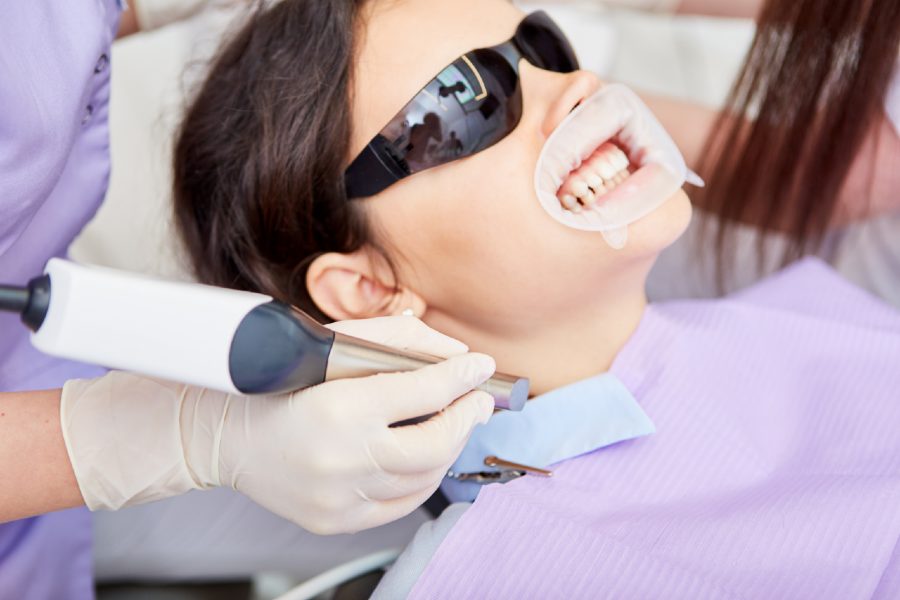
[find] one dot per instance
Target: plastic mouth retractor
(613, 113)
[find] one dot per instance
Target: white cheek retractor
(614, 114)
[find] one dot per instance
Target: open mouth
(604, 166)
(596, 176)
(608, 164)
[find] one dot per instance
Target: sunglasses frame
(380, 165)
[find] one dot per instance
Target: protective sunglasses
(470, 106)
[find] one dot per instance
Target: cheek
(476, 226)
(498, 226)
(466, 224)
(472, 235)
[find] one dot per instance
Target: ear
(353, 286)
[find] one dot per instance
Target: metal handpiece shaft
(352, 357)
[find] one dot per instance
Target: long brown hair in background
(811, 89)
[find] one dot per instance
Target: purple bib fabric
(774, 472)
(54, 169)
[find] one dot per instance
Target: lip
(647, 173)
(618, 128)
(645, 180)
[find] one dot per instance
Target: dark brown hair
(260, 155)
(810, 92)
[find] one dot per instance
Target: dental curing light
(236, 342)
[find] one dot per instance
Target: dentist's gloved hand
(325, 458)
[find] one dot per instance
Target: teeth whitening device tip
(236, 342)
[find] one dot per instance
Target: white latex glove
(325, 458)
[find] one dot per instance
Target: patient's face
(470, 236)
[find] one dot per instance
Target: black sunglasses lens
(545, 45)
(471, 105)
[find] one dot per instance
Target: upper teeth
(606, 168)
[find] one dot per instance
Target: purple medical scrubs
(54, 170)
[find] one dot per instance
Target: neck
(556, 352)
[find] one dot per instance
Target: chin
(661, 228)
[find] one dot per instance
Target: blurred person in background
(802, 159)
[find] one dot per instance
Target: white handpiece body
(232, 341)
(171, 330)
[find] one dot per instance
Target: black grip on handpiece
(31, 302)
(277, 349)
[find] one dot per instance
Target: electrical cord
(14, 299)
(330, 579)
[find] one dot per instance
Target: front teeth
(608, 168)
(605, 170)
(580, 188)
(596, 183)
(621, 160)
(570, 202)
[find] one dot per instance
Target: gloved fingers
(437, 441)
(387, 486)
(403, 333)
(403, 396)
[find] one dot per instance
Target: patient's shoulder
(398, 582)
(800, 316)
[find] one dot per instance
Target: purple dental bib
(774, 472)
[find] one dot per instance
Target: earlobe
(349, 286)
(408, 303)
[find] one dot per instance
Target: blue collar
(556, 426)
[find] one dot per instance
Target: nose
(556, 95)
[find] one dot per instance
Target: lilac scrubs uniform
(54, 170)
